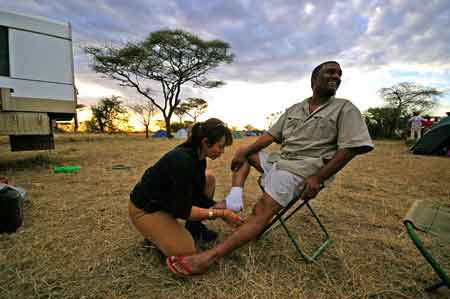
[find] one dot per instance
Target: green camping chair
(280, 219)
(435, 220)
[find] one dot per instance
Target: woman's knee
(174, 251)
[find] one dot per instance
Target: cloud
(276, 41)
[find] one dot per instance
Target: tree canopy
(170, 58)
(381, 122)
(144, 113)
(408, 97)
(194, 107)
(107, 113)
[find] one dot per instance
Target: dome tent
(160, 134)
(181, 134)
(236, 134)
(435, 140)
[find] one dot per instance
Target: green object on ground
(121, 167)
(435, 220)
(66, 169)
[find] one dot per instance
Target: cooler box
(11, 209)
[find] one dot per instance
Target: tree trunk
(146, 131)
(168, 128)
(75, 122)
(397, 117)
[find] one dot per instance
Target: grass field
(77, 241)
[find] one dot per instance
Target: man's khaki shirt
(309, 140)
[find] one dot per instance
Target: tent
(435, 140)
(236, 134)
(160, 134)
(181, 134)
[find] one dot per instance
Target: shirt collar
(305, 105)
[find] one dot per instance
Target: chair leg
(276, 221)
(280, 220)
(445, 279)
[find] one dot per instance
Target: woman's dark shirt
(171, 184)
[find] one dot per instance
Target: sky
(276, 44)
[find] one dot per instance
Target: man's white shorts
(281, 185)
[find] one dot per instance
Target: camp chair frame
(444, 277)
(278, 219)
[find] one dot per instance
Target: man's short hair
(317, 69)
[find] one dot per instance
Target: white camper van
(36, 79)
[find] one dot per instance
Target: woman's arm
(198, 214)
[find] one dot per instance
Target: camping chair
(280, 219)
(429, 218)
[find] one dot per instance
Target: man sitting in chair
(318, 137)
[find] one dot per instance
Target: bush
(176, 126)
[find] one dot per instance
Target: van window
(4, 52)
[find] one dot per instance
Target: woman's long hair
(213, 129)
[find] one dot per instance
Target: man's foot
(200, 232)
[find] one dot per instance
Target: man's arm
(353, 139)
(314, 183)
(241, 154)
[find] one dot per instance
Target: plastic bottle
(65, 169)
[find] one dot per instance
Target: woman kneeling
(179, 187)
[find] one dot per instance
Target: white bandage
(234, 199)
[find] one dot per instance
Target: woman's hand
(231, 218)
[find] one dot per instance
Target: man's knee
(266, 208)
(254, 161)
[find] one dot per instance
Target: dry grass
(77, 242)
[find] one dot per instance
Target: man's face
(328, 80)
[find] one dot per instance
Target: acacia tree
(249, 127)
(75, 116)
(144, 113)
(380, 122)
(180, 111)
(170, 58)
(407, 97)
(107, 113)
(272, 118)
(194, 107)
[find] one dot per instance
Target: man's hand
(313, 184)
(240, 156)
(231, 218)
(238, 160)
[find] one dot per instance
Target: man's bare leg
(234, 199)
(263, 212)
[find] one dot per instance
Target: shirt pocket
(321, 128)
(292, 124)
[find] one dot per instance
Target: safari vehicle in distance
(36, 79)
